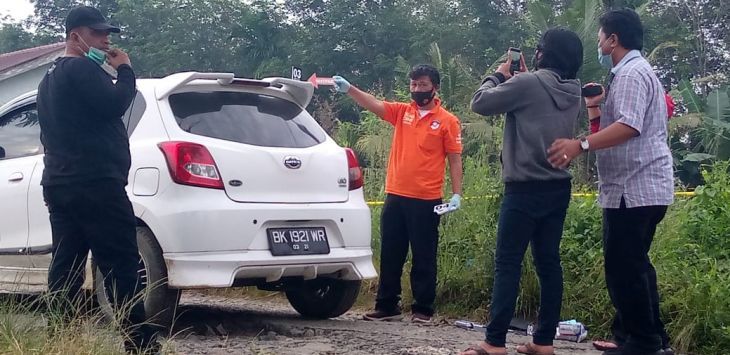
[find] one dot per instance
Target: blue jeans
(531, 212)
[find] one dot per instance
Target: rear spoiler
(300, 91)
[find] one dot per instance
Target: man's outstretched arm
(365, 100)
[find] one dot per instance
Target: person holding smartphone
(540, 106)
(87, 162)
(636, 181)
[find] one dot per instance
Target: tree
(457, 80)
(50, 15)
(217, 35)
(360, 39)
(493, 26)
(13, 37)
(699, 29)
(579, 16)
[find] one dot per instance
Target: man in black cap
(87, 161)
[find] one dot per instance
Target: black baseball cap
(89, 17)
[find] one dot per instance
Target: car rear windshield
(247, 118)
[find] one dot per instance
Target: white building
(21, 71)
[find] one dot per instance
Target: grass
(28, 327)
(691, 253)
(35, 324)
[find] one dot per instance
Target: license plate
(298, 241)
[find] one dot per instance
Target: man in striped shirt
(636, 180)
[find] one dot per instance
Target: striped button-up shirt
(640, 169)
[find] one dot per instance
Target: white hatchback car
(233, 184)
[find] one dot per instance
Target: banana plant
(715, 128)
(709, 120)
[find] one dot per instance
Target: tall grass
(48, 323)
(30, 325)
(691, 253)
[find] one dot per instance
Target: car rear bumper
(222, 269)
(194, 220)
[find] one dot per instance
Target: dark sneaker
(668, 351)
(383, 316)
(421, 318)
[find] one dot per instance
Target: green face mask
(96, 55)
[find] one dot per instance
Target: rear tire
(160, 302)
(324, 298)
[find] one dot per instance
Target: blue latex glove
(455, 202)
(341, 85)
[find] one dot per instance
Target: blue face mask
(605, 59)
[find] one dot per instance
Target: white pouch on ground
(465, 324)
(569, 330)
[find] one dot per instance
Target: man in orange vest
(425, 136)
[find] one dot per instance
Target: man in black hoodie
(87, 161)
(540, 106)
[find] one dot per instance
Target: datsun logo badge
(292, 162)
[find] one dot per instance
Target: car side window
(20, 133)
(134, 113)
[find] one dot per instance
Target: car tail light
(191, 164)
(355, 172)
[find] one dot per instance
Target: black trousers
(631, 278)
(408, 221)
(98, 217)
(532, 213)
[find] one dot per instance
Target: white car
(233, 184)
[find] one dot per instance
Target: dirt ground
(210, 324)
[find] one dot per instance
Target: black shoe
(383, 316)
(668, 351)
(421, 318)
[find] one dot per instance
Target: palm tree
(457, 79)
(580, 16)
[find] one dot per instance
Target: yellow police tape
(590, 194)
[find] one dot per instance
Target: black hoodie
(541, 107)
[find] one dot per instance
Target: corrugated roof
(12, 59)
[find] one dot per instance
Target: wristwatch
(584, 145)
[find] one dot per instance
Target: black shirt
(80, 113)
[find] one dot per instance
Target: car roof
(28, 97)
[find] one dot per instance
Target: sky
(16, 9)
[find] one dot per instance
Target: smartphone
(441, 209)
(515, 56)
(590, 91)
